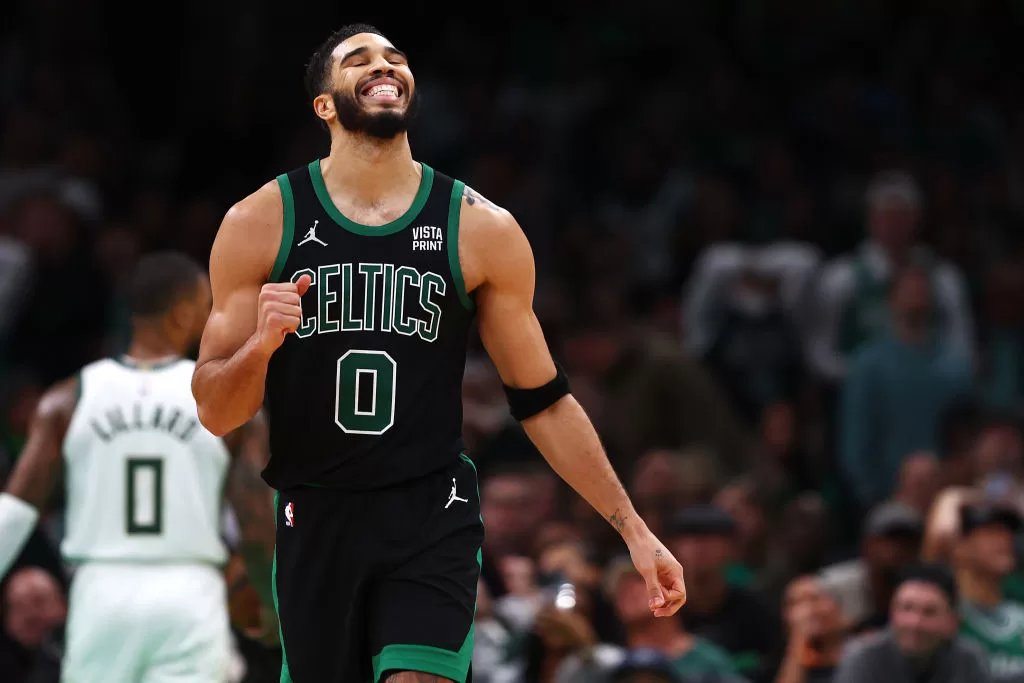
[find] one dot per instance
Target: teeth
(382, 90)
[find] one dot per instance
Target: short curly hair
(317, 80)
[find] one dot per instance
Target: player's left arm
(37, 470)
(498, 267)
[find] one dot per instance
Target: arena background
(709, 187)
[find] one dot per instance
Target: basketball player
(343, 293)
(144, 496)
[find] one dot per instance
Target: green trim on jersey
(426, 659)
(288, 227)
(454, 212)
(426, 182)
(129, 362)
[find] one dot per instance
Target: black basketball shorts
(376, 581)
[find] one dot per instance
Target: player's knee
(413, 677)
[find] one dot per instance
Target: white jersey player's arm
(498, 267)
(37, 470)
(253, 503)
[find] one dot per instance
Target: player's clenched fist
(280, 311)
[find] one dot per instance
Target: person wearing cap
(731, 617)
(890, 540)
(983, 558)
(645, 666)
(852, 290)
(921, 644)
(900, 387)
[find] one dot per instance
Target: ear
(323, 106)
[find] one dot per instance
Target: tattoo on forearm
(657, 553)
(473, 198)
(618, 521)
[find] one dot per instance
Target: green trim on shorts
(286, 676)
(426, 659)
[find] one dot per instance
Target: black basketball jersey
(368, 391)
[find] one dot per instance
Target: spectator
(33, 613)
(922, 645)
(654, 397)
(984, 558)
(897, 392)
(645, 666)
(891, 540)
(1002, 344)
(703, 539)
(815, 631)
(852, 289)
(919, 482)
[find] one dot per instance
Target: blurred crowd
(780, 255)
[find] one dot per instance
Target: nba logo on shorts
(289, 515)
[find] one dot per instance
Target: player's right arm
(37, 471)
(250, 317)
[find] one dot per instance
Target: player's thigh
(412, 677)
(423, 614)
(194, 633)
(321, 571)
(105, 640)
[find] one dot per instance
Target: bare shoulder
(491, 242)
(249, 236)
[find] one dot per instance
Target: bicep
(508, 326)
(240, 263)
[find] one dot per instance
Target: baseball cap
(897, 186)
(702, 520)
(974, 516)
(937, 574)
(646, 661)
(892, 519)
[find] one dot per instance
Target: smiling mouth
(382, 90)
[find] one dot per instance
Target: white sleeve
(17, 520)
(835, 286)
(951, 296)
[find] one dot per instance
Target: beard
(384, 125)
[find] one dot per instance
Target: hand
(661, 571)
(280, 312)
(267, 634)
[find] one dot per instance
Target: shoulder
(250, 234)
(59, 401)
(492, 245)
(867, 648)
(970, 654)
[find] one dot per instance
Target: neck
(663, 635)
(707, 595)
(366, 166)
(982, 591)
(150, 343)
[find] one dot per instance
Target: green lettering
(404, 276)
(429, 284)
(327, 297)
(308, 325)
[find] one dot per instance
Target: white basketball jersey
(144, 478)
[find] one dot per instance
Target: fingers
(302, 284)
(655, 594)
(669, 609)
